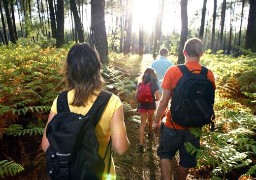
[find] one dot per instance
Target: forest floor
(135, 165)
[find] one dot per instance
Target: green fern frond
(9, 168)
(252, 170)
(18, 130)
(33, 131)
(14, 129)
(38, 109)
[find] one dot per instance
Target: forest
(36, 35)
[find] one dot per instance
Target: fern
(18, 130)
(9, 168)
(33, 109)
(252, 170)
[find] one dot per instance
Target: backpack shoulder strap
(204, 71)
(99, 106)
(62, 102)
(183, 69)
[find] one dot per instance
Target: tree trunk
(250, 42)
(201, 32)
(184, 30)
(52, 17)
(121, 29)
(128, 28)
(9, 21)
(78, 24)
(230, 27)
(241, 23)
(21, 25)
(13, 22)
(5, 39)
(158, 26)
(60, 23)
(25, 21)
(39, 14)
(98, 36)
(141, 44)
(223, 15)
(29, 9)
(213, 25)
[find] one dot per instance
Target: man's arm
(161, 108)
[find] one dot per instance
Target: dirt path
(135, 165)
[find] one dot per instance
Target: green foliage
(29, 81)
(9, 168)
(18, 130)
(235, 77)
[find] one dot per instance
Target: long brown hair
(82, 72)
(149, 75)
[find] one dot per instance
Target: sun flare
(144, 14)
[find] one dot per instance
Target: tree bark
(250, 42)
(52, 17)
(213, 25)
(13, 21)
(241, 23)
(21, 25)
(77, 19)
(128, 28)
(223, 15)
(201, 32)
(5, 39)
(60, 23)
(158, 26)
(184, 30)
(141, 39)
(98, 36)
(9, 21)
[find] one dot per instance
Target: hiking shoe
(140, 148)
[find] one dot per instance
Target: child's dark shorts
(172, 141)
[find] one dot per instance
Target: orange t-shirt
(170, 81)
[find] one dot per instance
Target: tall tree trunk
(206, 33)
(158, 26)
(201, 32)
(13, 21)
(230, 27)
(223, 15)
(9, 22)
(78, 24)
(184, 30)
(121, 28)
(98, 36)
(213, 25)
(128, 28)
(241, 24)
(25, 18)
(21, 25)
(39, 12)
(141, 39)
(60, 23)
(30, 11)
(250, 42)
(52, 17)
(5, 39)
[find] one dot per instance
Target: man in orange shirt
(174, 136)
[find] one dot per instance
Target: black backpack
(73, 150)
(193, 99)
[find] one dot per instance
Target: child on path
(147, 109)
